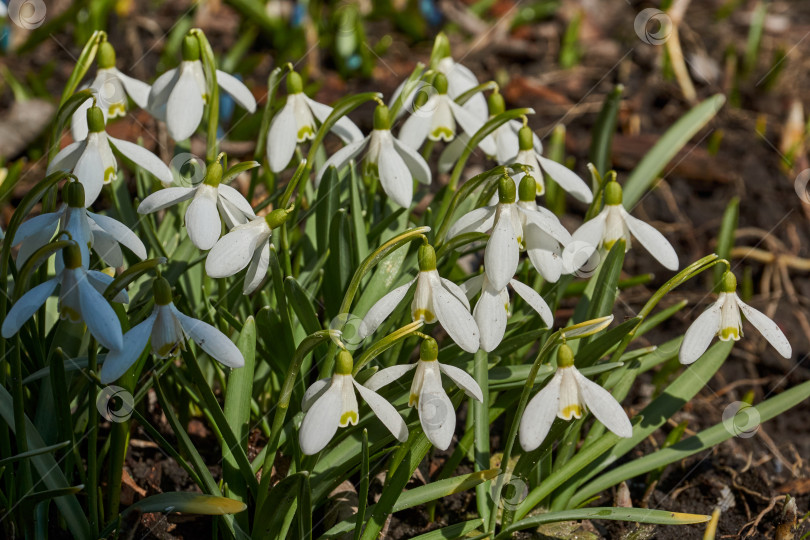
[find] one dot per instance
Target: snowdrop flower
(723, 320)
(568, 395)
(178, 97)
(435, 299)
(110, 88)
(395, 164)
(103, 234)
(436, 413)
(246, 245)
(331, 402)
(615, 223)
(202, 221)
(92, 161)
(168, 330)
(80, 299)
(436, 119)
(492, 308)
(296, 123)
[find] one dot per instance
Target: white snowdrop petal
(544, 253)
(238, 91)
(460, 79)
(507, 142)
(652, 240)
(321, 421)
(67, 158)
(456, 291)
(202, 221)
(25, 307)
(144, 159)
(546, 221)
(382, 309)
(121, 233)
(281, 137)
(463, 380)
(159, 93)
(539, 414)
(472, 286)
(479, 220)
(78, 122)
(415, 129)
(700, 334)
(452, 152)
(417, 165)
(99, 316)
(584, 243)
(534, 299)
(604, 406)
(471, 124)
(137, 90)
(36, 226)
(106, 247)
(90, 171)
(212, 341)
(769, 329)
(232, 252)
(314, 392)
(502, 253)
(165, 198)
(386, 412)
(343, 128)
(455, 319)
(184, 108)
(566, 178)
(436, 413)
(490, 315)
(387, 376)
(395, 177)
(235, 197)
(257, 269)
(100, 281)
(339, 159)
(118, 362)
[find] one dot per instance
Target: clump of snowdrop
(210, 198)
(80, 300)
(331, 403)
(615, 223)
(92, 160)
(569, 394)
(110, 88)
(723, 320)
(435, 299)
(393, 163)
(167, 330)
(178, 97)
(436, 412)
(298, 121)
(246, 245)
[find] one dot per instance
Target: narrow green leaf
(187, 503)
(604, 129)
(725, 238)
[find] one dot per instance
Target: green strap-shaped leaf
(187, 503)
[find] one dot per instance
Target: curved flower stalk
(296, 123)
(80, 299)
(436, 120)
(723, 320)
(331, 403)
(246, 245)
(103, 234)
(568, 395)
(167, 329)
(493, 307)
(436, 412)
(387, 159)
(110, 88)
(92, 161)
(615, 223)
(435, 299)
(178, 97)
(202, 222)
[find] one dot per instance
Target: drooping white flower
(168, 330)
(202, 221)
(331, 403)
(246, 245)
(80, 299)
(723, 320)
(436, 119)
(435, 299)
(395, 164)
(298, 121)
(568, 395)
(178, 97)
(492, 308)
(103, 234)
(436, 413)
(110, 87)
(615, 223)
(92, 161)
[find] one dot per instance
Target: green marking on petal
(413, 400)
(305, 133)
(571, 411)
(70, 314)
(109, 175)
(730, 333)
(442, 133)
(349, 417)
(424, 314)
(116, 109)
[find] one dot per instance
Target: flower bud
(381, 118)
(294, 83)
(95, 120)
(528, 188)
(429, 350)
(728, 283)
(162, 291)
(345, 363)
(213, 175)
(276, 218)
(440, 83)
(427, 258)
(106, 56)
(506, 190)
(565, 356)
(526, 138)
(73, 194)
(72, 256)
(191, 49)
(613, 193)
(496, 103)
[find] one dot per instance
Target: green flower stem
(210, 64)
(92, 440)
(386, 343)
(481, 429)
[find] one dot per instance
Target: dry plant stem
(673, 45)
